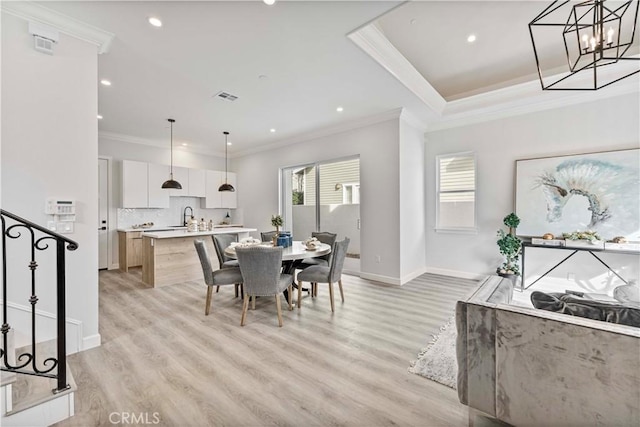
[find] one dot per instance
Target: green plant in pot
(510, 246)
(276, 221)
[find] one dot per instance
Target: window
(456, 191)
(350, 193)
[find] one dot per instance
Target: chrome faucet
(184, 215)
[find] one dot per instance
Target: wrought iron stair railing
(14, 228)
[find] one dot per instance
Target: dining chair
(260, 268)
(221, 277)
(324, 260)
(222, 242)
(320, 274)
(267, 236)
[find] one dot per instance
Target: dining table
(292, 256)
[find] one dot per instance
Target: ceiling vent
(44, 37)
(226, 96)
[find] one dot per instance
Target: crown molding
(413, 120)
(320, 133)
(65, 24)
(118, 137)
(374, 43)
(525, 98)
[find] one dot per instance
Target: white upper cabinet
(134, 184)
(219, 199)
(212, 197)
(142, 186)
(158, 196)
(182, 176)
(229, 199)
(197, 183)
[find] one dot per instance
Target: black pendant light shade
(171, 183)
(226, 186)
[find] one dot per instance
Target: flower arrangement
(277, 222)
(510, 246)
(589, 235)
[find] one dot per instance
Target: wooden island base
(171, 260)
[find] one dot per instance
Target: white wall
(607, 124)
(412, 202)
(49, 149)
(377, 145)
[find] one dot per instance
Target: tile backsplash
(173, 215)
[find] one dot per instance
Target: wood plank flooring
(161, 356)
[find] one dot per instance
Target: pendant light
(170, 183)
(226, 186)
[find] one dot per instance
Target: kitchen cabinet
(219, 199)
(158, 196)
(130, 249)
(134, 184)
(182, 176)
(197, 183)
(142, 185)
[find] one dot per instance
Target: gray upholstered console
(531, 367)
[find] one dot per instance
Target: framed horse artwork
(594, 191)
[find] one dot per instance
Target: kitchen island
(169, 257)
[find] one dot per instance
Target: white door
(103, 214)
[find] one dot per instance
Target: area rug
(437, 361)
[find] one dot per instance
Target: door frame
(111, 214)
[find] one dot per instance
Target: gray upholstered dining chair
(267, 236)
(222, 242)
(321, 274)
(260, 267)
(224, 276)
(324, 260)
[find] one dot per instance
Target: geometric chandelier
(586, 45)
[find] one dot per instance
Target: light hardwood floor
(161, 355)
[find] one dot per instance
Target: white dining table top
(297, 250)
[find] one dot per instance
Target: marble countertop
(172, 233)
(168, 227)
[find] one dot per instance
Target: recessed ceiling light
(155, 22)
(413, 21)
(184, 144)
(272, 130)
(99, 117)
(269, 2)
(229, 143)
(471, 38)
(339, 109)
(105, 82)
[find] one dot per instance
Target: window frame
(457, 230)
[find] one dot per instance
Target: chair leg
(242, 290)
(279, 308)
(341, 293)
(290, 297)
(315, 289)
(245, 306)
(331, 296)
(253, 302)
(207, 304)
(217, 289)
(236, 286)
(299, 294)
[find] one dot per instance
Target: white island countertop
(172, 234)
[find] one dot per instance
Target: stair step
(28, 391)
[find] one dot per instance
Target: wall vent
(43, 45)
(226, 96)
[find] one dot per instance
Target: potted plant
(510, 246)
(276, 221)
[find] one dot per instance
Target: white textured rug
(437, 361)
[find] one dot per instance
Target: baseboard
(91, 341)
(409, 277)
(114, 266)
(47, 326)
(455, 273)
(380, 278)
